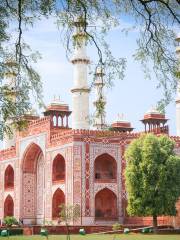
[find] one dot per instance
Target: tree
(156, 21)
(68, 214)
(9, 221)
(116, 227)
(152, 177)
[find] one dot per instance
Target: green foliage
(152, 176)
(116, 226)
(9, 221)
(44, 232)
(68, 214)
(16, 231)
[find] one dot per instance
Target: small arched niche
(106, 205)
(9, 178)
(58, 169)
(105, 168)
(8, 206)
(58, 199)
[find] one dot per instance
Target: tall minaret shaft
(100, 101)
(178, 89)
(9, 140)
(80, 91)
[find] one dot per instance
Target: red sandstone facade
(51, 164)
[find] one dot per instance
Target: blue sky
(132, 96)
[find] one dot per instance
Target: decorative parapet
(175, 138)
(36, 127)
(95, 135)
(100, 133)
(39, 121)
(7, 153)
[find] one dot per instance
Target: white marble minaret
(100, 114)
(10, 81)
(80, 91)
(178, 90)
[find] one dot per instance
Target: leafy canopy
(155, 20)
(69, 213)
(152, 176)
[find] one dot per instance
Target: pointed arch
(30, 157)
(33, 183)
(57, 200)
(9, 177)
(8, 206)
(106, 205)
(105, 168)
(58, 168)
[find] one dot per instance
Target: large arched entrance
(9, 178)
(33, 185)
(105, 168)
(58, 169)
(105, 205)
(58, 199)
(8, 206)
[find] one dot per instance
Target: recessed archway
(105, 168)
(9, 177)
(58, 169)
(8, 206)
(58, 199)
(105, 205)
(33, 185)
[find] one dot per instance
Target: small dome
(153, 114)
(57, 105)
(121, 124)
(121, 118)
(31, 115)
(57, 101)
(32, 112)
(153, 110)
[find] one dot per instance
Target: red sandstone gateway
(49, 163)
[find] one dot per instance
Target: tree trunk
(114, 237)
(68, 235)
(155, 223)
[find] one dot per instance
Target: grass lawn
(99, 237)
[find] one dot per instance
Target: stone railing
(39, 121)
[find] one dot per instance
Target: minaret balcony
(79, 59)
(83, 89)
